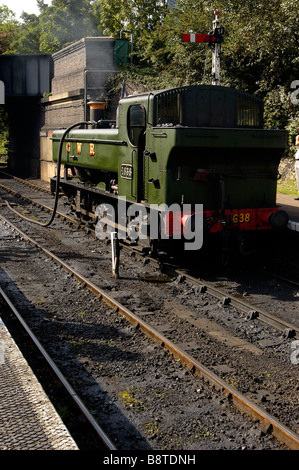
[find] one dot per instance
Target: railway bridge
(44, 92)
(25, 78)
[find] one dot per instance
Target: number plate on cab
(126, 171)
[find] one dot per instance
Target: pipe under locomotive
(189, 147)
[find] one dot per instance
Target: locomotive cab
(215, 152)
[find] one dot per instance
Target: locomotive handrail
(100, 141)
(132, 180)
(159, 134)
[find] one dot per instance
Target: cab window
(136, 123)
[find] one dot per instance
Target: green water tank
(121, 49)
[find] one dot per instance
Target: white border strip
(292, 225)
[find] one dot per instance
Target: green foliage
(137, 16)
(3, 134)
(261, 44)
(27, 41)
(8, 29)
(64, 22)
(259, 54)
(56, 26)
(184, 63)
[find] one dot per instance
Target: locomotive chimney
(97, 109)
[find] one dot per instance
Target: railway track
(204, 285)
(103, 441)
(280, 431)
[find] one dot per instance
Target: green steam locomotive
(199, 149)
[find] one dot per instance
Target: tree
(8, 32)
(137, 16)
(28, 38)
(57, 25)
(65, 21)
(261, 44)
(183, 63)
(8, 29)
(259, 54)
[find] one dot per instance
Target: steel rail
(27, 183)
(35, 203)
(242, 305)
(271, 425)
(282, 278)
(99, 431)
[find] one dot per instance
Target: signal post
(213, 39)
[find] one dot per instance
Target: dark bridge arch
(26, 78)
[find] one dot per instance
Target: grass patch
(288, 187)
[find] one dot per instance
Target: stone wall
(81, 72)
